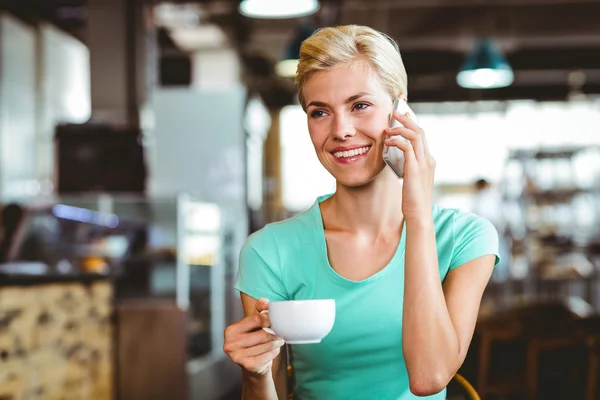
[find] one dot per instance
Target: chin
(355, 176)
(356, 180)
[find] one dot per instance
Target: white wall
(198, 144)
(17, 109)
(65, 95)
(44, 80)
(216, 68)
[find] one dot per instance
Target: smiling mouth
(351, 153)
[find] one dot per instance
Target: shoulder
(286, 232)
(460, 222)
(464, 235)
(269, 254)
(266, 258)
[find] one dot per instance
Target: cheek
(373, 126)
(318, 133)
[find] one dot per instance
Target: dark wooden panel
(152, 355)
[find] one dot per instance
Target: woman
(406, 275)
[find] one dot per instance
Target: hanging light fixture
(274, 9)
(485, 68)
(289, 63)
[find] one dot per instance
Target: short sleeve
(474, 237)
(259, 273)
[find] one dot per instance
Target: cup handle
(269, 330)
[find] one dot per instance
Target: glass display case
(200, 273)
(61, 240)
(179, 252)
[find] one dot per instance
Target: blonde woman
(407, 276)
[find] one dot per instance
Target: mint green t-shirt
(362, 356)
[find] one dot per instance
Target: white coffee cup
(301, 321)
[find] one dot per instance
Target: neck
(373, 208)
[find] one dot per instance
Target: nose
(342, 128)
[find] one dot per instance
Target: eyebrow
(348, 100)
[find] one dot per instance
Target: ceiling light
(485, 68)
(273, 9)
(287, 68)
(289, 63)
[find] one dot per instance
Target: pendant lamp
(485, 68)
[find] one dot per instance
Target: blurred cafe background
(142, 141)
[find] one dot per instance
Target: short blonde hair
(332, 46)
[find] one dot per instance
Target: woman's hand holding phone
(415, 165)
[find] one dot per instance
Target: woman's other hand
(250, 346)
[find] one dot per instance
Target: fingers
(262, 304)
(426, 146)
(260, 309)
(250, 346)
(412, 132)
(407, 121)
(404, 145)
(264, 347)
(258, 363)
(265, 358)
(248, 324)
(253, 322)
(255, 338)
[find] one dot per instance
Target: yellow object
(93, 264)
(469, 389)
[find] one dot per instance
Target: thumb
(262, 304)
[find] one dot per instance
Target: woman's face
(348, 109)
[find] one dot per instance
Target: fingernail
(280, 342)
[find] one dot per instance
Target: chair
(470, 391)
(593, 344)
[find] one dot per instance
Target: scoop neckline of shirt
(391, 265)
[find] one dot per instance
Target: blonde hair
(347, 44)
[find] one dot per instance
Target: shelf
(546, 154)
(554, 196)
(200, 265)
(25, 280)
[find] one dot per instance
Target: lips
(350, 155)
(349, 152)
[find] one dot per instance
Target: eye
(361, 106)
(317, 114)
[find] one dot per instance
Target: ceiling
(547, 42)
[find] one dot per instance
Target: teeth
(351, 153)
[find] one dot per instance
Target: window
(468, 140)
